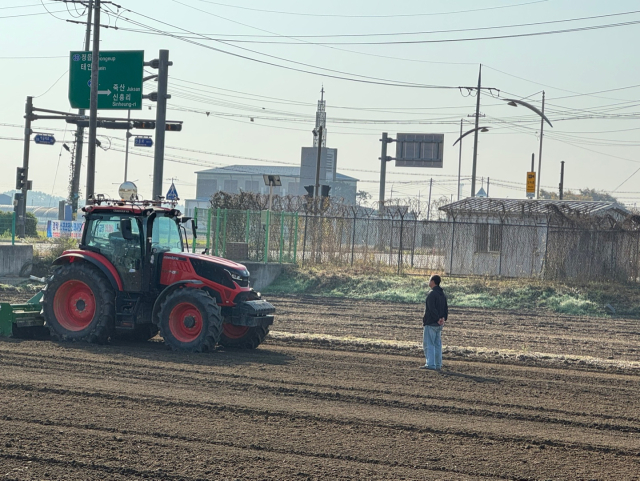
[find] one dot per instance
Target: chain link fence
(408, 243)
(8, 227)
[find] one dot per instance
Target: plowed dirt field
(334, 393)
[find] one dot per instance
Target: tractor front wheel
(190, 320)
(242, 337)
(78, 304)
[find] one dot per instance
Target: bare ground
(334, 393)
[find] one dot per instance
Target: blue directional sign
(143, 142)
(44, 139)
(173, 193)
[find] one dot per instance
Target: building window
(495, 237)
(488, 238)
(251, 186)
(231, 186)
(205, 188)
(482, 237)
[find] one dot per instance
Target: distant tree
(582, 194)
(40, 199)
(362, 197)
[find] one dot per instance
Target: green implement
(22, 320)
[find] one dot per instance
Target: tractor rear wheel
(79, 304)
(242, 337)
(190, 320)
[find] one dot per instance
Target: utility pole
(540, 151)
(488, 179)
(77, 166)
(383, 170)
(93, 105)
(161, 119)
(561, 190)
(475, 135)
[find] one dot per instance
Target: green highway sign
(119, 79)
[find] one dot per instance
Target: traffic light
(21, 178)
(309, 189)
(174, 127)
(324, 190)
(146, 124)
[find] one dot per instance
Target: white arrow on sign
(104, 92)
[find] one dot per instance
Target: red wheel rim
(234, 332)
(185, 322)
(74, 305)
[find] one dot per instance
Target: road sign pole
(93, 104)
(161, 119)
(126, 151)
(383, 172)
(22, 213)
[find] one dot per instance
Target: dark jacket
(435, 307)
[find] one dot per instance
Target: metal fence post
(266, 238)
(353, 237)
(295, 238)
(195, 216)
(208, 246)
(13, 228)
(217, 234)
(224, 233)
(246, 235)
(453, 236)
(400, 244)
(281, 234)
(413, 244)
(304, 240)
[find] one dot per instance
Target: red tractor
(132, 274)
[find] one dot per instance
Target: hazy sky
(591, 77)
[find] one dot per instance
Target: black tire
(190, 320)
(238, 337)
(79, 304)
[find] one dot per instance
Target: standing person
(436, 312)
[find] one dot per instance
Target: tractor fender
(97, 260)
(168, 290)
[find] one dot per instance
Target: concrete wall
(261, 275)
(13, 258)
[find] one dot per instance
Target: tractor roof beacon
(131, 274)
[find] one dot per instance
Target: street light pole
(475, 138)
(459, 159)
(543, 119)
(540, 151)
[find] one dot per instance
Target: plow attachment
(22, 320)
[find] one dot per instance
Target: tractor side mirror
(194, 226)
(125, 228)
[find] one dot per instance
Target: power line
(360, 79)
(396, 34)
(371, 16)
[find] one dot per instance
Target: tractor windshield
(166, 235)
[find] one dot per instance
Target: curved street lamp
(543, 118)
(478, 129)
